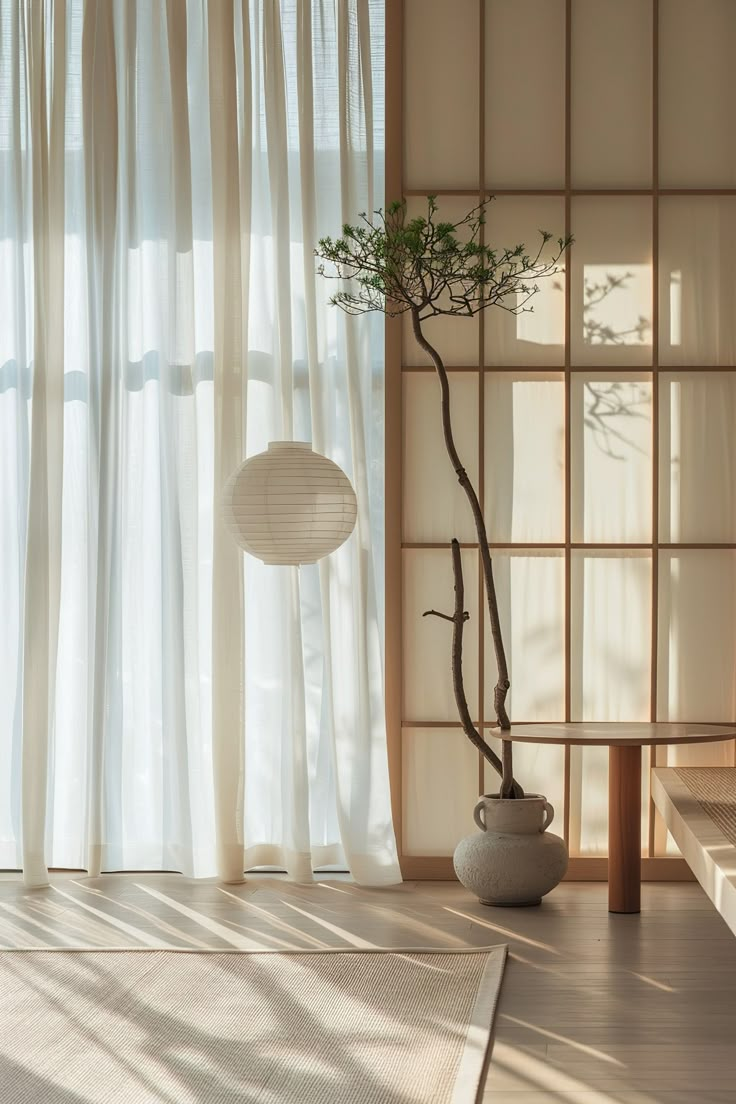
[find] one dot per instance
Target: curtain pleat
(166, 169)
(227, 597)
(100, 199)
(45, 64)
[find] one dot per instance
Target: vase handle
(478, 816)
(549, 814)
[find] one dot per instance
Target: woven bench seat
(698, 805)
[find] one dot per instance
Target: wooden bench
(698, 805)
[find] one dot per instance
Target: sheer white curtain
(165, 169)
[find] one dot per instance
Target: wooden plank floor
(595, 1009)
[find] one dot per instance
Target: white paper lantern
(289, 505)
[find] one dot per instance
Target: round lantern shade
(289, 505)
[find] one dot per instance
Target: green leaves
(394, 263)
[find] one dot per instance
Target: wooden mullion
(568, 414)
(393, 676)
(433, 724)
(430, 368)
(673, 369)
(484, 193)
(583, 369)
(481, 378)
(666, 369)
(472, 191)
(586, 546)
(655, 412)
(724, 722)
(580, 869)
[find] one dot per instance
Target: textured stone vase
(513, 860)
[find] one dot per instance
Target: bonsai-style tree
(426, 268)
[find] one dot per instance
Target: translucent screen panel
(698, 755)
(440, 788)
(611, 294)
(697, 499)
(524, 457)
(427, 641)
(697, 642)
(589, 800)
(525, 94)
(611, 93)
(697, 93)
(455, 338)
(611, 635)
(536, 337)
(531, 601)
(435, 507)
(441, 94)
(697, 279)
(611, 452)
(539, 768)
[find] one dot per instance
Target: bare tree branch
(502, 686)
(431, 268)
(459, 618)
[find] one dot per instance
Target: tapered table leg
(624, 829)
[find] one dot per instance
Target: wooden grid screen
(579, 423)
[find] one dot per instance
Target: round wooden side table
(624, 741)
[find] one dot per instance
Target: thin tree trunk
(508, 785)
(502, 685)
(458, 619)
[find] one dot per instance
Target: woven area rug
(308, 1027)
(715, 789)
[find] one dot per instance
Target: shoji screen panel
(598, 429)
(611, 103)
(523, 99)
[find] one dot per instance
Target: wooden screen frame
(440, 867)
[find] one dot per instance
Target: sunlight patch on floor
(591, 1051)
(515, 1070)
(507, 933)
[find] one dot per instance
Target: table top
(617, 733)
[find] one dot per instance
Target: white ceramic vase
(513, 860)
